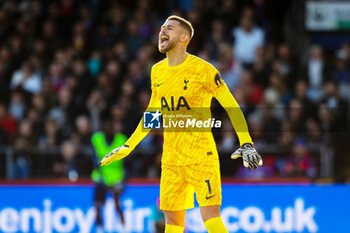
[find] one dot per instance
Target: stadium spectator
(300, 93)
(96, 104)
(132, 38)
(27, 79)
(341, 73)
(94, 63)
(287, 136)
(299, 162)
(328, 122)
(277, 84)
(228, 67)
(67, 165)
(21, 166)
(251, 91)
(217, 37)
(228, 11)
(271, 125)
(247, 37)
(51, 135)
(17, 105)
(23, 141)
(82, 131)
(316, 71)
(7, 122)
(337, 105)
(284, 62)
(314, 133)
(261, 67)
(56, 73)
(296, 116)
(135, 75)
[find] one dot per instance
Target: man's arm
(233, 110)
(139, 134)
(251, 158)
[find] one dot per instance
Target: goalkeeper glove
(251, 158)
(116, 154)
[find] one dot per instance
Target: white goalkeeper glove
(116, 154)
(251, 158)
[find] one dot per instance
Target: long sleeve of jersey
(137, 136)
(232, 108)
(217, 87)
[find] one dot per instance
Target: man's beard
(171, 44)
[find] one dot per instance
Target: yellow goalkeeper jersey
(186, 90)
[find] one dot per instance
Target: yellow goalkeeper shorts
(179, 183)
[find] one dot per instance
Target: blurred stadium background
(67, 68)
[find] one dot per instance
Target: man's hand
(116, 154)
(251, 158)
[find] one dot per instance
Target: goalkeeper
(183, 83)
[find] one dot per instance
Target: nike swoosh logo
(206, 197)
(159, 84)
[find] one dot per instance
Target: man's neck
(176, 56)
(247, 29)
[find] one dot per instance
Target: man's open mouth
(164, 40)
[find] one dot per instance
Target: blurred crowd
(68, 66)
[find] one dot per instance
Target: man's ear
(184, 37)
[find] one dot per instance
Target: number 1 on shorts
(209, 186)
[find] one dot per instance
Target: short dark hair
(186, 24)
